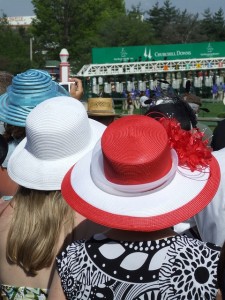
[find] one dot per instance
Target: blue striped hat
(28, 89)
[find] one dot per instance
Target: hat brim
(103, 114)
(186, 195)
(31, 172)
(16, 114)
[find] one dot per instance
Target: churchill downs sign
(158, 52)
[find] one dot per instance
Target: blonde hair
(38, 220)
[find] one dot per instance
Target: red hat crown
(122, 146)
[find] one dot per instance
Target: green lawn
(215, 109)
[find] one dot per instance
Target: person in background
(136, 176)
(221, 275)
(196, 104)
(101, 110)
(218, 137)
(3, 149)
(137, 99)
(181, 108)
(130, 104)
(224, 93)
(76, 89)
(13, 135)
(27, 90)
(125, 104)
(36, 222)
(220, 92)
(5, 185)
(188, 86)
(211, 220)
(207, 225)
(144, 106)
(214, 92)
(5, 81)
(174, 107)
(194, 101)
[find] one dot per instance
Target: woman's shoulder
(177, 263)
(6, 209)
(190, 269)
(186, 242)
(176, 244)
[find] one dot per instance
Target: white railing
(152, 67)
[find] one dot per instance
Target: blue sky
(14, 8)
(192, 6)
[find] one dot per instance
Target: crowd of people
(218, 91)
(98, 206)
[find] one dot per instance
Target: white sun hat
(58, 134)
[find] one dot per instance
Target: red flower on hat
(192, 151)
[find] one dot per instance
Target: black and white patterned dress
(172, 268)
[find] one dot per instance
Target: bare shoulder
(6, 211)
(219, 295)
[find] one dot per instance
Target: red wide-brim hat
(132, 180)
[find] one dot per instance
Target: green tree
(136, 12)
(14, 56)
(80, 26)
(163, 20)
(186, 29)
(219, 25)
(72, 24)
(212, 26)
(171, 25)
(155, 19)
(130, 29)
(206, 25)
